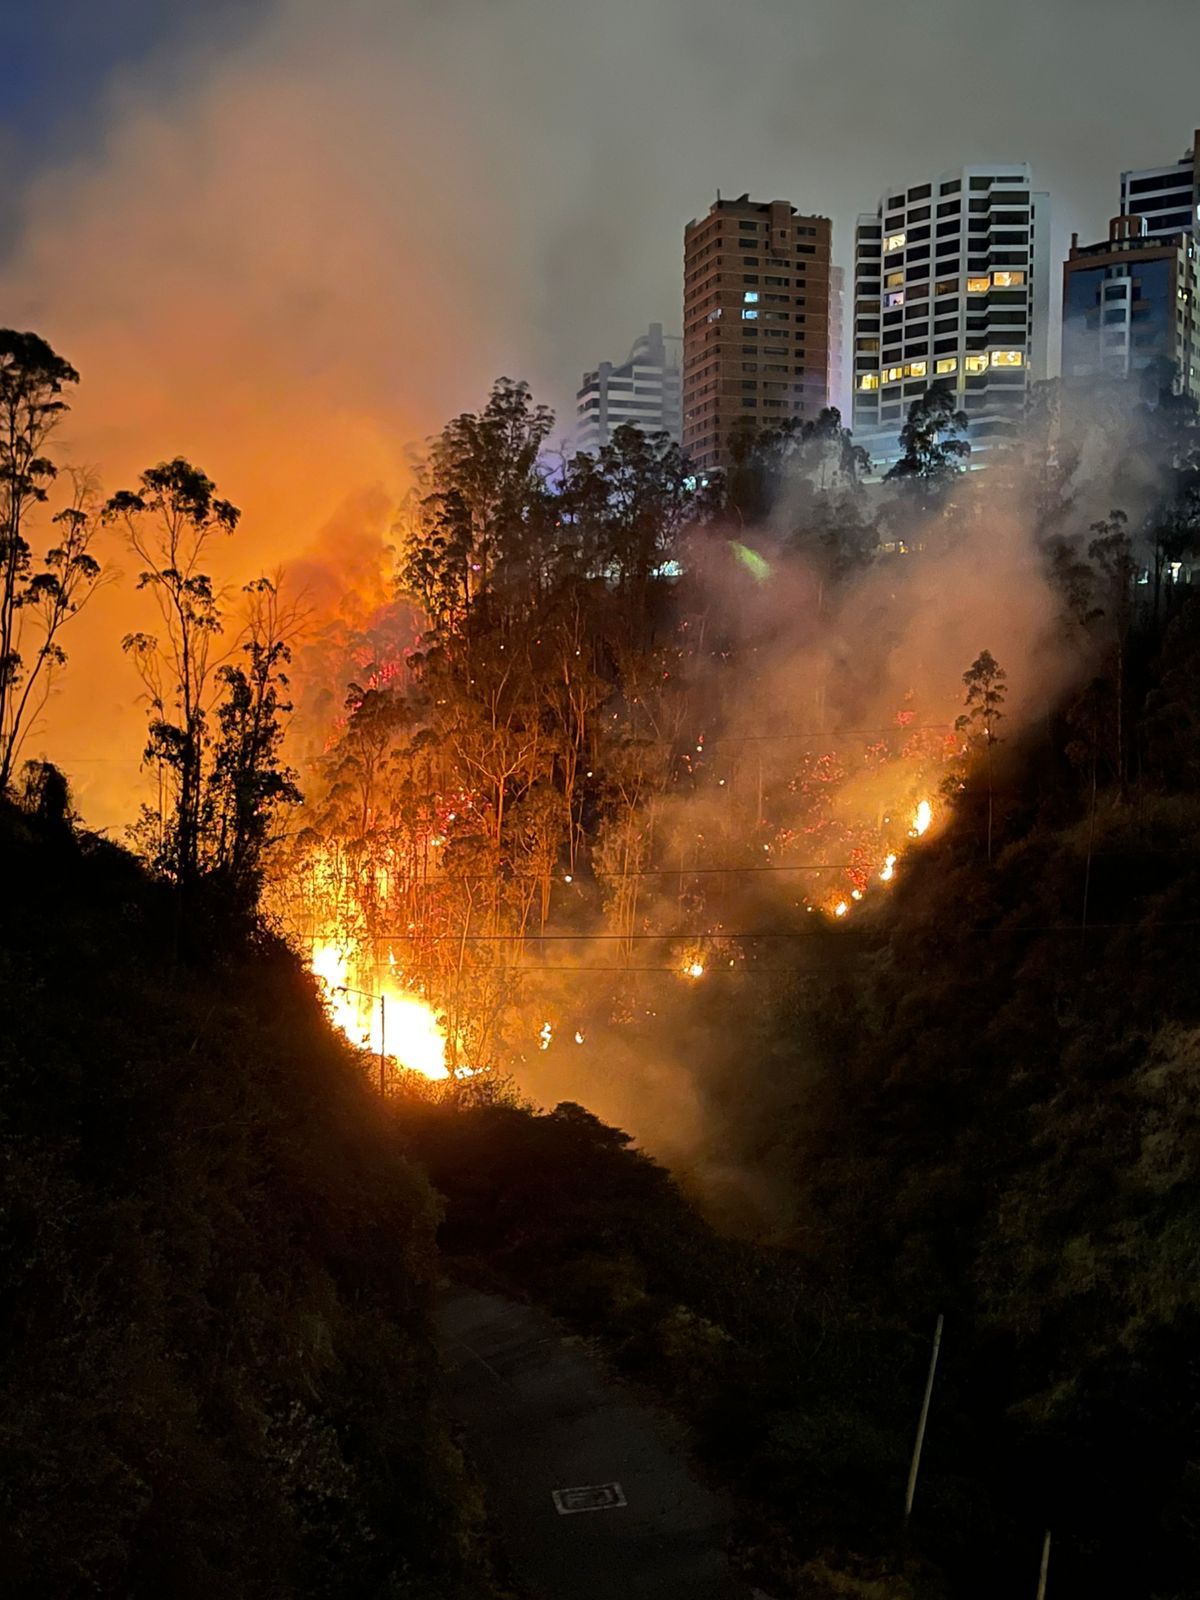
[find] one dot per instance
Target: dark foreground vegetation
(216, 1266)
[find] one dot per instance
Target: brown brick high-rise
(755, 321)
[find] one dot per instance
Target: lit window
(978, 285)
(916, 369)
(749, 316)
(1008, 358)
(975, 363)
(894, 241)
(869, 381)
(714, 316)
(894, 297)
(893, 375)
(750, 297)
(895, 279)
(1007, 280)
(947, 364)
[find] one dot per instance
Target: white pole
(924, 1418)
(1041, 1589)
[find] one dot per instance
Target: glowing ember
(578, 1037)
(922, 819)
(840, 909)
(694, 969)
(545, 1033)
(391, 1022)
(888, 871)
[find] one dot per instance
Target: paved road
(540, 1417)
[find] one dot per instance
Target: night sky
(289, 238)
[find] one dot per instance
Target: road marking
(590, 1497)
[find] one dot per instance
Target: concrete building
(1167, 199)
(755, 321)
(1129, 305)
(644, 390)
(837, 340)
(951, 284)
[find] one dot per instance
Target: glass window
(868, 382)
(952, 187)
(893, 375)
(895, 280)
(894, 241)
(975, 363)
(916, 369)
(946, 364)
(894, 298)
(978, 285)
(749, 316)
(946, 286)
(1007, 280)
(1008, 358)
(750, 296)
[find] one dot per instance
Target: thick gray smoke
(299, 235)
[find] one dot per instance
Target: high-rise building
(644, 390)
(1166, 198)
(1129, 305)
(837, 337)
(755, 321)
(951, 285)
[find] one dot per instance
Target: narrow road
(591, 1489)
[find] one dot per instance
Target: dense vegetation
(976, 1100)
(216, 1267)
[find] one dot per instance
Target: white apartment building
(645, 390)
(951, 285)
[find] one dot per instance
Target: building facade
(645, 390)
(1129, 307)
(756, 300)
(1167, 199)
(951, 285)
(837, 339)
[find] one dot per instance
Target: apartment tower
(1130, 308)
(1166, 198)
(755, 322)
(643, 391)
(951, 285)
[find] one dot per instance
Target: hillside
(217, 1270)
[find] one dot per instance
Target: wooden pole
(924, 1418)
(1045, 1568)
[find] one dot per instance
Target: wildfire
(545, 1034)
(888, 870)
(392, 1022)
(922, 817)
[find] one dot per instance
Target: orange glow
(888, 870)
(392, 1021)
(922, 817)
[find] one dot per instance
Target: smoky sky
(287, 238)
(576, 139)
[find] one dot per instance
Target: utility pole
(382, 1042)
(1042, 1575)
(924, 1418)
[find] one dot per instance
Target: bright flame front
(392, 1022)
